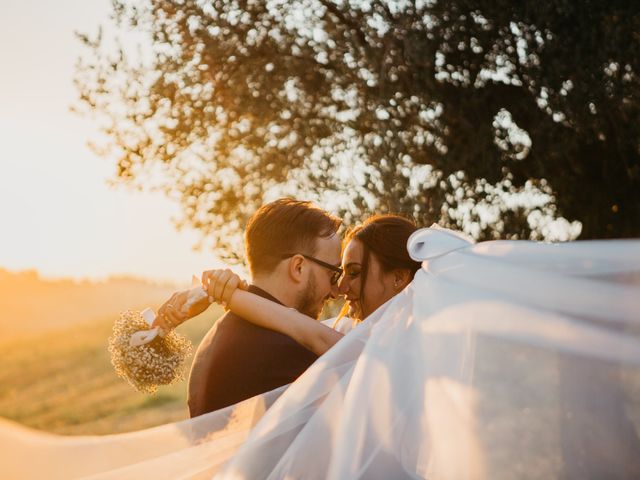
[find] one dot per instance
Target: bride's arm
(305, 330)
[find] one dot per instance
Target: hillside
(63, 382)
(29, 303)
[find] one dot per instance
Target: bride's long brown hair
(384, 236)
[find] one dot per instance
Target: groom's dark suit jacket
(237, 360)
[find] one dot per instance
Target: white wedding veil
(504, 359)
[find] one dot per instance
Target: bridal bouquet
(161, 361)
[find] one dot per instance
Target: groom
(293, 252)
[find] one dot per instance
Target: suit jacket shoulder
(237, 360)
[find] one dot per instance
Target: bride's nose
(343, 285)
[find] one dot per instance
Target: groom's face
(318, 288)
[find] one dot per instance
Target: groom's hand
(220, 285)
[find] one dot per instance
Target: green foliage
(455, 111)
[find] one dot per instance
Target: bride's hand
(220, 285)
(171, 314)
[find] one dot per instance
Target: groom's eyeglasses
(337, 271)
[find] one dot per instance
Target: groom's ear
(296, 268)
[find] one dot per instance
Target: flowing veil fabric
(503, 359)
(188, 449)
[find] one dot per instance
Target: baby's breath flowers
(159, 362)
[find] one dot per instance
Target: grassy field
(63, 382)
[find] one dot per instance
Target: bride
(505, 359)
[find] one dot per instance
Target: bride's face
(378, 287)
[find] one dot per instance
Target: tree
(510, 114)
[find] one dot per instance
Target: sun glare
(59, 215)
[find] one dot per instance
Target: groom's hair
(283, 227)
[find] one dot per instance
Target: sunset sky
(58, 214)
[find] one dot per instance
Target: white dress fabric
(505, 359)
(343, 325)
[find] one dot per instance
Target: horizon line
(39, 275)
